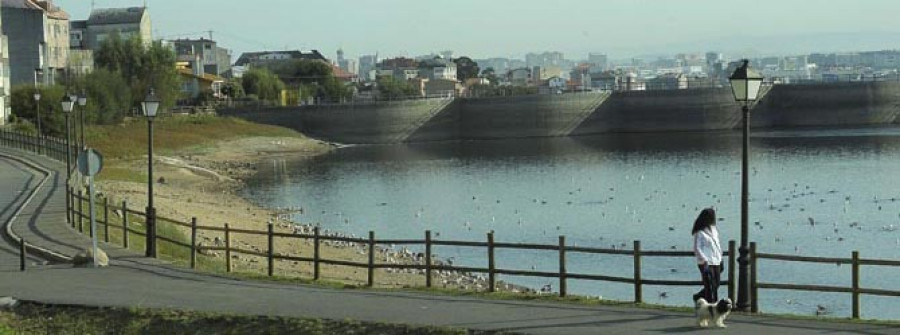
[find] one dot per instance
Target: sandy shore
(202, 182)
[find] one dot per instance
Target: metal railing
(52, 147)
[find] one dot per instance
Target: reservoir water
(813, 193)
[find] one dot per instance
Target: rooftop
(250, 57)
(52, 11)
(117, 15)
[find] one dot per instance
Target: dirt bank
(202, 182)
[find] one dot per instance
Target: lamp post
(37, 102)
(150, 105)
(67, 105)
(82, 101)
(745, 84)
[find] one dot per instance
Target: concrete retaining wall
(528, 116)
(664, 110)
(782, 106)
(828, 105)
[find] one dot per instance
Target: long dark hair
(706, 218)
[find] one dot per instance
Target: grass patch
(121, 173)
(170, 134)
(113, 232)
(32, 318)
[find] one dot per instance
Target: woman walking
(708, 252)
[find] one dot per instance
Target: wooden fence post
(194, 242)
(427, 258)
(856, 284)
(271, 250)
(106, 219)
(80, 212)
(125, 224)
(638, 290)
(73, 194)
(492, 279)
(70, 219)
(371, 258)
(227, 249)
(21, 254)
(754, 287)
(562, 266)
(316, 252)
(69, 207)
(732, 254)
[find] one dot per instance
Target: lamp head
(67, 104)
(745, 83)
(150, 104)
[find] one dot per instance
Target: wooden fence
(55, 148)
(427, 243)
(491, 270)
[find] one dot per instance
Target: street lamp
(150, 106)
(67, 105)
(745, 84)
(82, 101)
(37, 102)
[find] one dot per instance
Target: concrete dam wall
(781, 106)
(828, 105)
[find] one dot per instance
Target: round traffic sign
(90, 162)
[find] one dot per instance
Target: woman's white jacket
(707, 247)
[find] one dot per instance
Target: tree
(25, 108)
(262, 83)
(490, 75)
(142, 67)
(466, 68)
(390, 88)
(314, 78)
(302, 71)
(109, 97)
(233, 89)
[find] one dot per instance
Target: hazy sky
(481, 28)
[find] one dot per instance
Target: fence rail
(76, 209)
(429, 266)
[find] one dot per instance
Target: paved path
(136, 281)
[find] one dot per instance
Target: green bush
(24, 107)
(263, 84)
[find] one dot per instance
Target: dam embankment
(702, 109)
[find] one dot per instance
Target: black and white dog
(709, 315)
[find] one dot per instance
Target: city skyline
(619, 28)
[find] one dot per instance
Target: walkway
(134, 281)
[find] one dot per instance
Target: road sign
(90, 162)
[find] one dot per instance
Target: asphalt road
(135, 281)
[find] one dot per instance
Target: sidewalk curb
(8, 231)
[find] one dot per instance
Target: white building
(38, 39)
(437, 69)
(104, 22)
(447, 72)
